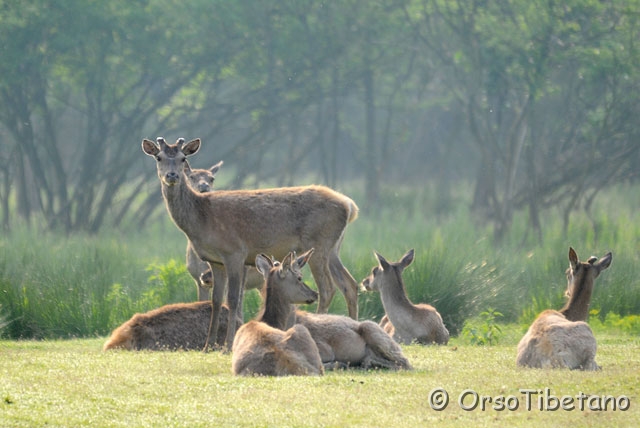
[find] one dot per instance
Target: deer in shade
(404, 321)
(265, 346)
(562, 338)
(232, 227)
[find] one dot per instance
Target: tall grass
(56, 286)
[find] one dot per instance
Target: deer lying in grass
(404, 321)
(563, 338)
(170, 327)
(344, 342)
(232, 227)
(261, 347)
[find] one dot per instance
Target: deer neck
(276, 309)
(184, 206)
(577, 308)
(394, 296)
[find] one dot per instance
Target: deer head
(171, 158)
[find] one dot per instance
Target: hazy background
(529, 104)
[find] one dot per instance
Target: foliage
(52, 285)
(484, 330)
(531, 101)
(613, 322)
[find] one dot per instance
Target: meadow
(61, 295)
(65, 383)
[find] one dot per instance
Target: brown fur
(171, 327)
(233, 227)
(261, 347)
(563, 338)
(344, 342)
(404, 321)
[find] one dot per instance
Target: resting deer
(404, 321)
(232, 227)
(344, 342)
(261, 347)
(170, 327)
(563, 338)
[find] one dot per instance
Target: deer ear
(384, 264)
(216, 167)
(191, 147)
(573, 258)
(407, 259)
(150, 148)
(302, 259)
(604, 262)
(263, 264)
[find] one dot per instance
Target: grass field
(73, 383)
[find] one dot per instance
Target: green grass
(72, 383)
(54, 286)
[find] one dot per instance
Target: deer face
(171, 158)
(201, 180)
(386, 271)
(286, 277)
(584, 272)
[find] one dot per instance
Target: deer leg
(321, 274)
(217, 295)
(346, 283)
(235, 281)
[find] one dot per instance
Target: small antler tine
(161, 142)
(180, 142)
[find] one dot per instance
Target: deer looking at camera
(201, 180)
(404, 321)
(262, 346)
(232, 227)
(563, 338)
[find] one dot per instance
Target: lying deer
(344, 342)
(563, 338)
(404, 321)
(170, 327)
(231, 227)
(261, 347)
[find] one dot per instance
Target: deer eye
(158, 158)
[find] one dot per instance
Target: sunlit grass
(73, 383)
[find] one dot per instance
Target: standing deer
(201, 180)
(261, 347)
(563, 338)
(171, 327)
(232, 227)
(404, 321)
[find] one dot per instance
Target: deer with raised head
(180, 326)
(563, 338)
(403, 320)
(264, 346)
(232, 227)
